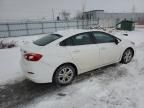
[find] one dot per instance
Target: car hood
(120, 35)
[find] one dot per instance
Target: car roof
(71, 32)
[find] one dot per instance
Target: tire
(127, 56)
(64, 75)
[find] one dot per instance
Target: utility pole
(83, 8)
(133, 12)
(133, 9)
(53, 16)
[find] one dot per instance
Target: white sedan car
(61, 56)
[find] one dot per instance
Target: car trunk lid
(29, 47)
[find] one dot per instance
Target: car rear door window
(47, 39)
(79, 39)
(82, 39)
(103, 37)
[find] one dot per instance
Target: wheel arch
(68, 63)
(125, 50)
(131, 49)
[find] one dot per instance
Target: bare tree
(79, 16)
(65, 15)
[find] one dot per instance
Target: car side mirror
(125, 34)
(116, 41)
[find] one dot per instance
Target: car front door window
(103, 37)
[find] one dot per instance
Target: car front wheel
(64, 75)
(127, 56)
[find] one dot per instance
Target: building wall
(116, 17)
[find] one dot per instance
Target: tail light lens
(32, 56)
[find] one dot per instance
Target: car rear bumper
(37, 72)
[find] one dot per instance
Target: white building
(100, 14)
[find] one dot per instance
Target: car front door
(83, 50)
(109, 50)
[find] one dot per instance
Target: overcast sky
(23, 9)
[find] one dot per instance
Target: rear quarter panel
(55, 55)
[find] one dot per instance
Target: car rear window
(47, 39)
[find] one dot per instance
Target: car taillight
(32, 56)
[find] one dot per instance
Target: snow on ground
(9, 65)
(9, 60)
(119, 86)
(21, 39)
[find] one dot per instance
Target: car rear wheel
(127, 56)
(64, 75)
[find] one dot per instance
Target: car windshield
(47, 39)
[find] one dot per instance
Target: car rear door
(83, 51)
(109, 50)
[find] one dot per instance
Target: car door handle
(76, 51)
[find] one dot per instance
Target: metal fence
(41, 27)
